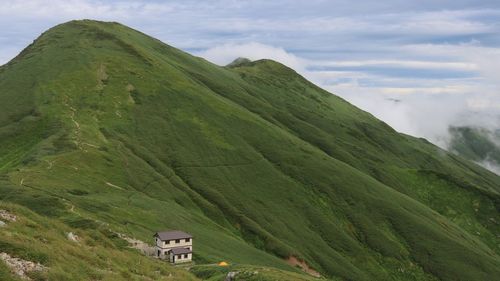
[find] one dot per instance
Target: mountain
(477, 144)
(108, 133)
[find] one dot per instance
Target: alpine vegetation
(111, 135)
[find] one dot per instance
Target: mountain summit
(239, 62)
(108, 133)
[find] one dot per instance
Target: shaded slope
(255, 161)
(477, 144)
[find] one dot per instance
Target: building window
(179, 256)
(167, 242)
(185, 256)
(177, 241)
(188, 239)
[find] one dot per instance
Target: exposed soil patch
(19, 266)
(303, 265)
(102, 77)
(142, 246)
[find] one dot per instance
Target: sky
(420, 66)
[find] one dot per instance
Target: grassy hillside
(103, 124)
(98, 254)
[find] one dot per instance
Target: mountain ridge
(256, 161)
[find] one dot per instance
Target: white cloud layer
(226, 53)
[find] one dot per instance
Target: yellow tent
(223, 263)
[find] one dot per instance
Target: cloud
(224, 54)
(413, 64)
(77, 9)
(490, 166)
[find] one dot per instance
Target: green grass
(477, 144)
(111, 127)
(249, 273)
(99, 255)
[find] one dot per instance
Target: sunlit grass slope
(101, 123)
(98, 254)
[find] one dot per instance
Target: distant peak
(239, 62)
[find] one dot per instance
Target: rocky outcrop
(231, 276)
(19, 266)
(72, 237)
(6, 216)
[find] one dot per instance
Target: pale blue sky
(440, 58)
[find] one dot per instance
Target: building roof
(180, 251)
(172, 235)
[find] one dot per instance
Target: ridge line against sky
(421, 66)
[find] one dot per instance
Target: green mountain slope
(477, 144)
(103, 127)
